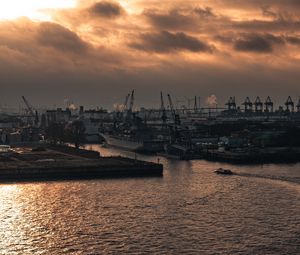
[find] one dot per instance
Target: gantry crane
(231, 104)
(290, 106)
(258, 105)
(298, 105)
(248, 105)
(269, 105)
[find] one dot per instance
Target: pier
(25, 164)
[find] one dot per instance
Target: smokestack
(81, 110)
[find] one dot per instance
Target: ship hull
(122, 143)
(131, 145)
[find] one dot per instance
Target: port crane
(248, 105)
(269, 105)
(196, 104)
(175, 115)
(126, 102)
(231, 104)
(29, 107)
(175, 129)
(131, 103)
(258, 105)
(290, 106)
(163, 108)
(30, 110)
(298, 105)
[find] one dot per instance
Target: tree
(75, 133)
(55, 133)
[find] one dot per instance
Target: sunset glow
(183, 46)
(34, 9)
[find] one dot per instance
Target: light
(33, 9)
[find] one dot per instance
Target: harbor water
(190, 210)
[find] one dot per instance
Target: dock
(260, 155)
(25, 164)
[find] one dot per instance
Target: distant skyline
(95, 52)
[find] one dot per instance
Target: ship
(133, 144)
(180, 152)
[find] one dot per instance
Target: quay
(259, 155)
(55, 163)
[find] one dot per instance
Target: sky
(93, 53)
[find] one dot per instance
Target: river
(190, 210)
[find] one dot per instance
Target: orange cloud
(206, 45)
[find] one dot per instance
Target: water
(188, 211)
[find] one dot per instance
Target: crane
(126, 101)
(31, 110)
(298, 105)
(29, 107)
(248, 105)
(269, 105)
(231, 104)
(173, 111)
(258, 104)
(162, 108)
(129, 115)
(289, 105)
(195, 104)
(131, 101)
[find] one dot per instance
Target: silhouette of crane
(126, 101)
(290, 106)
(163, 108)
(298, 105)
(248, 105)
(258, 105)
(175, 115)
(269, 105)
(231, 104)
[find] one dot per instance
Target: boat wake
(295, 180)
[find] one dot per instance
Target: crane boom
(171, 104)
(29, 107)
(126, 101)
(162, 108)
(131, 101)
(162, 103)
(175, 115)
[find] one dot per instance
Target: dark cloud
(60, 38)
(288, 4)
(259, 43)
(293, 40)
(106, 9)
(174, 19)
(165, 42)
(277, 25)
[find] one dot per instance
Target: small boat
(223, 171)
